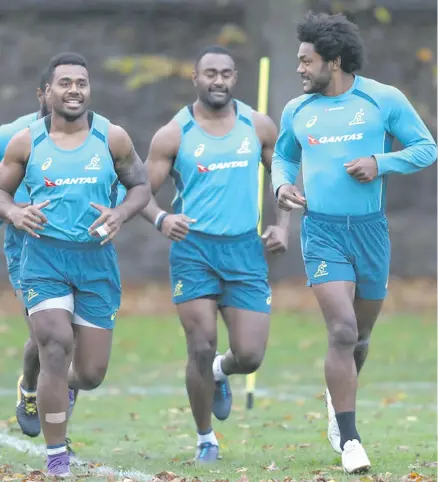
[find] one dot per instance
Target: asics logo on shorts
(70, 181)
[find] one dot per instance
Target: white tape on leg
(60, 417)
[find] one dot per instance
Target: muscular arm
(162, 152)
(268, 133)
(130, 171)
(12, 171)
(403, 122)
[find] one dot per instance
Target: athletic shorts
(231, 268)
(82, 278)
(13, 244)
(347, 248)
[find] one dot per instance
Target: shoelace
(30, 406)
(205, 447)
(68, 444)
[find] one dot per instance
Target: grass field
(138, 424)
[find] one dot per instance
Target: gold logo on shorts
(269, 300)
(31, 294)
(322, 270)
(178, 289)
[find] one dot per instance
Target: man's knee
(249, 359)
(343, 333)
(91, 377)
(54, 337)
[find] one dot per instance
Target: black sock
(347, 427)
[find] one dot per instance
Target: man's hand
(176, 226)
(290, 197)
(275, 239)
(364, 169)
(108, 224)
(29, 218)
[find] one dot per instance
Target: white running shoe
(333, 433)
(354, 458)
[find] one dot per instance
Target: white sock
(209, 437)
(56, 449)
(25, 392)
(217, 369)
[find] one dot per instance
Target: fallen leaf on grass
(143, 455)
(94, 465)
(415, 477)
(398, 397)
(117, 449)
(171, 428)
(271, 467)
(36, 475)
(219, 436)
(304, 446)
(267, 447)
(288, 417)
(289, 457)
(165, 475)
(403, 448)
(310, 416)
(244, 426)
(411, 418)
(241, 469)
(134, 416)
(429, 464)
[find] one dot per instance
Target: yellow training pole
(262, 106)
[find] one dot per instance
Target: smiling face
(69, 92)
(214, 78)
(314, 70)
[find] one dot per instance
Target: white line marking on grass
(40, 451)
(295, 393)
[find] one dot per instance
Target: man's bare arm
(12, 171)
(130, 171)
(268, 134)
(162, 153)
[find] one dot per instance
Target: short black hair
(212, 49)
(67, 58)
(44, 79)
(334, 36)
